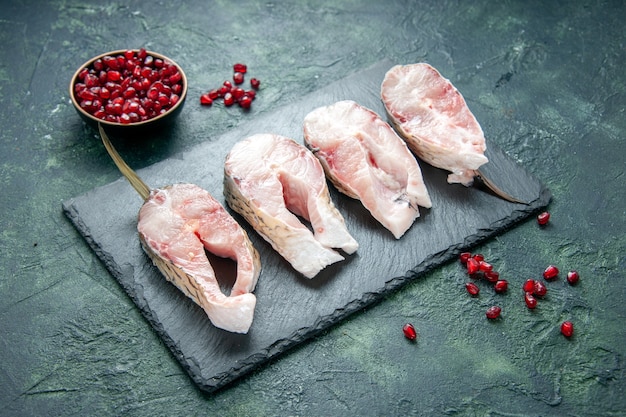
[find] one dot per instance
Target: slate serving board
(291, 308)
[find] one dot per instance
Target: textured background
(547, 82)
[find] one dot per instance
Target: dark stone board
(291, 308)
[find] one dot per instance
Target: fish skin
(434, 119)
(176, 225)
(366, 160)
(271, 180)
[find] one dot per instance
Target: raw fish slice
(433, 118)
(176, 225)
(270, 180)
(366, 160)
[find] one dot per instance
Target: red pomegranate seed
(529, 285)
(501, 286)
(464, 256)
(129, 54)
(213, 94)
(492, 276)
(241, 68)
(543, 218)
(531, 302)
(251, 94)
(254, 83)
(238, 93)
(238, 78)
(485, 266)
(206, 100)
(572, 277)
(409, 331)
(472, 288)
(245, 102)
(551, 272)
(229, 100)
(473, 266)
(567, 328)
(540, 289)
(493, 312)
(479, 257)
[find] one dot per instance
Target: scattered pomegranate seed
(240, 68)
(543, 218)
(540, 289)
(254, 83)
(529, 285)
(493, 312)
(492, 276)
(501, 286)
(245, 102)
(479, 257)
(238, 78)
(472, 288)
(551, 272)
(409, 331)
(572, 277)
(463, 257)
(473, 266)
(229, 100)
(485, 266)
(567, 328)
(206, 100)
(531, 302)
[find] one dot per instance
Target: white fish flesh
(433, 118)
(366, 160)
(176, 225)
(271, 180)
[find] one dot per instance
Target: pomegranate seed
(492, 276)
(572, 277)
(205, 100)
(551, 272)
(238, 93)
(213, 94)
(567, 328)
(540, 289)
(463, 257)
(543, 218)
(129, 54)
(245, 102)
(229, 100)
(251, 94)
(472, 288)
(241, 68)
(473, 266)
(531, 302)
(479, 257)
(254, 83)
(238, 78)
(409, 331)
(485, 266)
(228, 84)
(501, 286)
(529, 285)
(493, 312)
(175, 78)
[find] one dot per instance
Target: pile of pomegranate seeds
(409, 331)
(128, 88)
(233, 93)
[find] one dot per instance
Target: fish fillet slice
(176, 225)
(366, 160)
(271, 180)
(433, 118)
